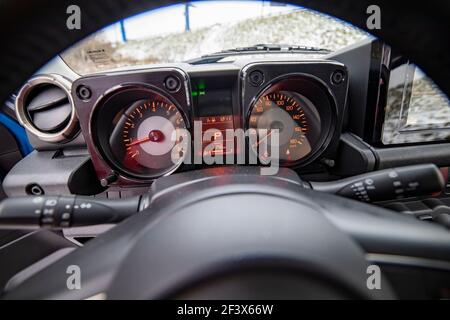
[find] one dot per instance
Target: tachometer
(142, 137)
(148, 133)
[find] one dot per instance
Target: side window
(417, 110)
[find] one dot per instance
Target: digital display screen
(218, 142)
(213, 103)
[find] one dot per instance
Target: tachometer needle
(138, 141)
(154, 136)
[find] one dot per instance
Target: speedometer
(294, 117)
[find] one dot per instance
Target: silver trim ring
(69, 130)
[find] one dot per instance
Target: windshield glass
(187, 31)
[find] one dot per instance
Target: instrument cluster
(145, 124)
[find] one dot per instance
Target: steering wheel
(231, 233)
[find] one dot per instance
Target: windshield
(187, 31)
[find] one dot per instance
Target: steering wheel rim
(288, 234)
(178, 247)
(166, 240)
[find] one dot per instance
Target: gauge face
(293, 116)
(145, 137)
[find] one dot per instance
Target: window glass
(417, 110)
(186, 31)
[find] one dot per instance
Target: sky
(171, 19)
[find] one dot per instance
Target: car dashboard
(112, 134)
(141, 138)
(144, 124)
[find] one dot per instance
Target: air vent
(45, 108)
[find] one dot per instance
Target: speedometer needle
(261, 140)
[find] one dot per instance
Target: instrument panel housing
(320, 72)
(243, 93)
(104, 84)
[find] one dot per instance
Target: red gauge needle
(138, 141)
(261, 140)
(154, 136)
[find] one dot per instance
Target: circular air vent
(45, 108)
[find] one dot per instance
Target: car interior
(224, 150)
